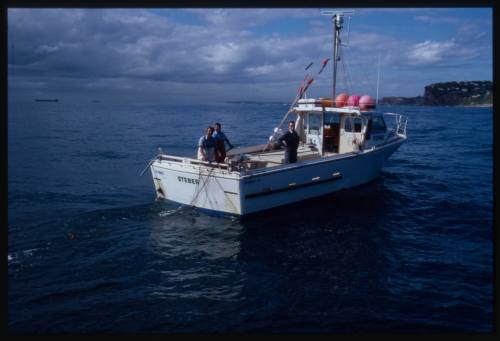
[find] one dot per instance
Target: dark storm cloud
(143, 45)
(79, 43)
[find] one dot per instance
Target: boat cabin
(334, 130)
(324, 131)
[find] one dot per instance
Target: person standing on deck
(290, 140)
(220, 140)
(206, 146)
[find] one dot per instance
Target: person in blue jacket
(220, 143)
(206, 146)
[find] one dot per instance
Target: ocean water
(91, 250)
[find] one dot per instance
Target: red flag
(324, 64)
(308, 82)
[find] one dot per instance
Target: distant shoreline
(447, 106)
(476, 105)
(466, 94)
(254, 102)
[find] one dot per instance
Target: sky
(212, 55)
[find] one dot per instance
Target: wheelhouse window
(378, 125)
(347, 125)
(314, 122)
(357, 124)
(331, 118)
(350, 121)
(368, 132)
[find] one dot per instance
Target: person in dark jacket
(290, 140)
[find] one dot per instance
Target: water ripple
(91, 250)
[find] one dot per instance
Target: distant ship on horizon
(46, 100)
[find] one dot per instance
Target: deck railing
(165, 157)
(400, 121)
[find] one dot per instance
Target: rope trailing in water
(203, 183)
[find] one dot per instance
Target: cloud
(122, 49)
(271, 70)
(429, 52)
(46, 49)
(437, 19)
(439, 53)
(470, 33)
(125, 43)
(222, 56)
(243, 18)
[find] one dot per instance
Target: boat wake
(171, 212)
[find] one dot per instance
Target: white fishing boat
(344, 143)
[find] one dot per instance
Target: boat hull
(241, 194)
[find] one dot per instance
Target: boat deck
(247, 158)
(257, 157)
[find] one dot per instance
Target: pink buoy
(353, 100)
(341, 100)
(366, 103)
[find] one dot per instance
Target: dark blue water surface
(91, 250)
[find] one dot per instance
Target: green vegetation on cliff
(449, 93)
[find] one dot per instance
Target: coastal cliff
(449, 93)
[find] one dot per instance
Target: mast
(378, 76)
(337, 26)
(338, 21)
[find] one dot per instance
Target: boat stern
(197, 183)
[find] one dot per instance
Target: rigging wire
(203, 183)
(345, 74)
(307, 81)
(366, 78)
